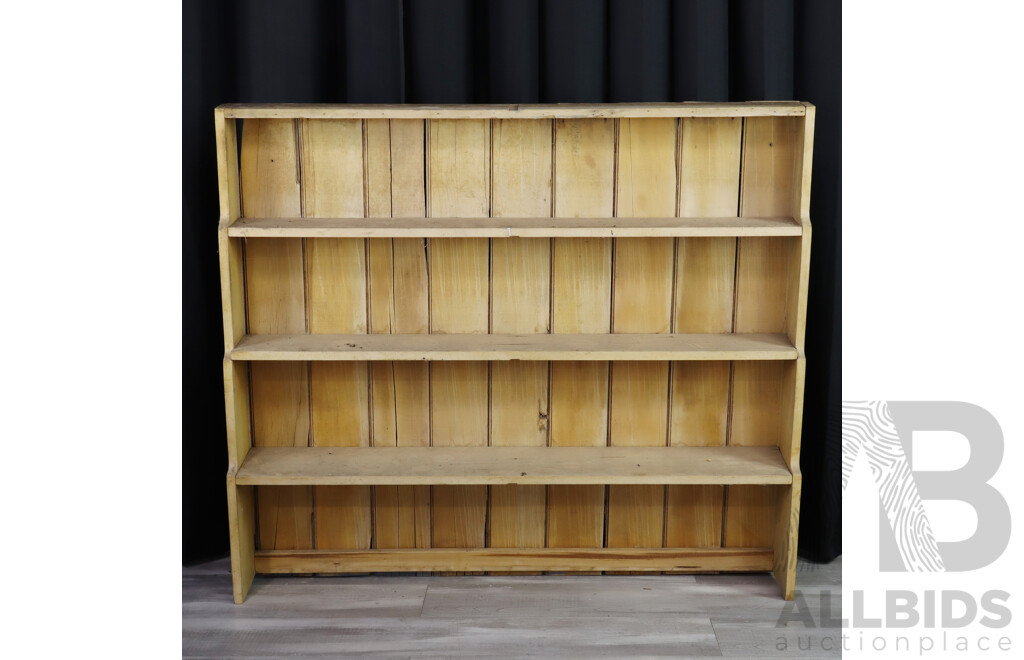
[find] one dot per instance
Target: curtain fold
(504, 51)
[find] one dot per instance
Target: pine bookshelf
(514, 339)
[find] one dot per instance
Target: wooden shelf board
(510, 227)
(522, 111)
(382, 466)
(516, 347)
(513, 559)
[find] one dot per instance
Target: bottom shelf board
(512, 559)
(382, 466)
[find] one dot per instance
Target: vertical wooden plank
(238, 412)
(332, 186)
(642, 295)
(788, 508)
(709, 181)
(770, 152)
(458, 185)
(581, 303)
(275, 295)
(395, 186)
(796, 312)
(521, 298)
(241, 525)
(232, 277)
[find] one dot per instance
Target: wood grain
(518, 559)
(398, 277)
(581, 303)
(762, 280)
(520, 303)
(475, 465)
(642, 295)
(458, 184)
(709, 161)
(533, 346)
(275, 296)
(398, 294)
(514, 227)
(332, 185)
(517, 111)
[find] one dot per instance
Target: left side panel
(240, 499)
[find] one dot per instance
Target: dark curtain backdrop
(503, 51)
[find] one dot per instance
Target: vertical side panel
(709, 182)
(275, 296)
(395, 186)
(241, 519)
(642, 295)
(787, 515)
(521, 299)
(332, 186)
(796, 312)
(238, 412)
(770, 152)
(232, 277)
(458, 185)
(581, 303)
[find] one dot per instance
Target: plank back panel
(584, 176)
(770, 152)
(458, 185)
(709, 159)
(275, 301)
(400, 391)
(642, 303)
(332, 186)
(520, 303)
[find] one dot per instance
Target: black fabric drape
(504, 51)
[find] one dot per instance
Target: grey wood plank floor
(558, 616)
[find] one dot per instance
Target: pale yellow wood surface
(642, 295)
(238, 414)
(757, 420)
(232, 276)
(332, 185)
(458, 184)
(275, 292)
(581, 303)
(506, 560)
(242, 532)
(770, 149)
(700, 413)
(523, 111)
(787, 514)
(709, 161)
(770, 152)
(688, 560)
(461, 347)
(520, 303)
(458, 465)
(514, 227)
(397, 279)
(800, 258)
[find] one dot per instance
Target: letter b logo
(883, 430)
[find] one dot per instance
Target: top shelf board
(525, 111)
(509, 227)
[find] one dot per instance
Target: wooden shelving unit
(514, 338)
